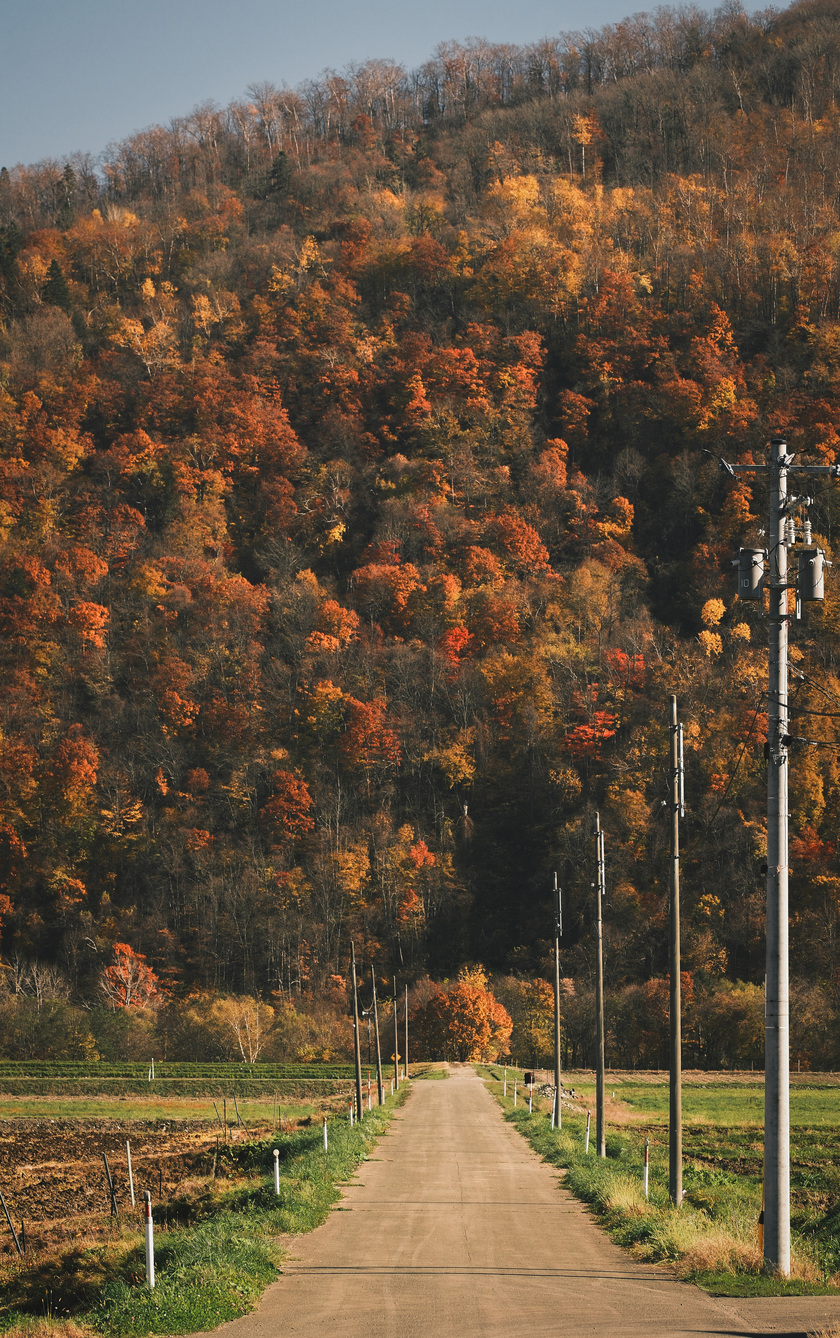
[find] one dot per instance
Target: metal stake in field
(677, 811)
(150, 1242)
(379, 1087)
(752, 581)
(600, 1131)
(11, 1224)
(357, 1054)
(112, 1192)
(276, 1170)
(558, 934)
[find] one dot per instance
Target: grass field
(714, 1236)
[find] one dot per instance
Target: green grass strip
(712, 1238)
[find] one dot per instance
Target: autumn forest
(361, 509)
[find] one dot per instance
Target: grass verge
(711, 1240)
(216, 1246)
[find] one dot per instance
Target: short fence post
(588, 1122)
(647, 1166)
(554, 1110)
(276, 1170)
(504, 1093)
(130, 1172)
(150, 1243)
(514, 1091)
(326, 1140)
(531, 1099)
(351, 1114)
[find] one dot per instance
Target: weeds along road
(454, 1228)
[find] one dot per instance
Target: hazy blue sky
(75, 74)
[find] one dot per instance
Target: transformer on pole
(759, 571)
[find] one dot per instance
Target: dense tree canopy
(360, 511)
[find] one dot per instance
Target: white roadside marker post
(514, 1091)
(326, 1141)
(276, 1170)
(647, 1166)
(505, 1091)
(150, 1243)
(588, 1122)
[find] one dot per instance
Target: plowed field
(52, 1172)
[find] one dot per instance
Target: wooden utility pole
(558, 934)
(675, 1123)
(396, 1041)
(356, 1050)
(600, 1128)
(380, 1090)
(405, 1055)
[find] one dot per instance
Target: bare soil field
(52, 1172)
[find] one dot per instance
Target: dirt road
(455, 1229)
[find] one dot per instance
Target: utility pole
(396, 1041)
(600, 1130)
(677, 811)
(379, 1087)
(356, 1051)
(558, 934)
(752, 580)
(405, 1056)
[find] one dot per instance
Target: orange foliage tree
(129, 982)
(462, 1022)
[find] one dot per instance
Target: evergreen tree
(55, 291)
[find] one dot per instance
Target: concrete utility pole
(356, 1051)
(677, 810)
(380, 1090)
(396, 1041)
(752, 580)
(558, 934)
(600, 1129)
(405, 1056)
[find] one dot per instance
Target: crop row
(285, 1088)
(17, 1069)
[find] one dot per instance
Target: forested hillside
(360, 510)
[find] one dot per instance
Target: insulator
(806, 531)
(790, 530)
(811, 573)
(750, 573)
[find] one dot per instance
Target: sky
(76, 75)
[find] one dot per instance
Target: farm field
(722, 1156)
(53, 1135)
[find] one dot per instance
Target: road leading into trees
(455, 1229)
